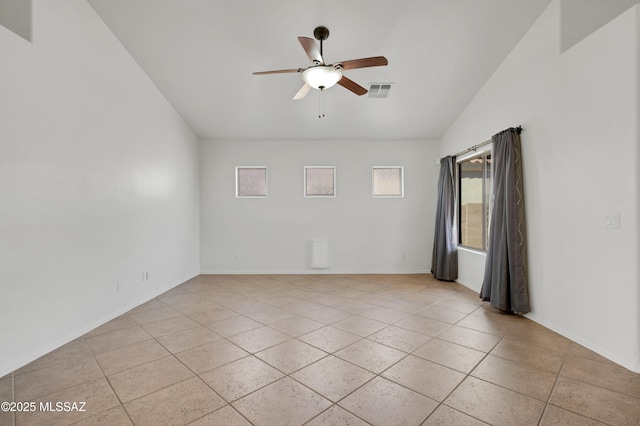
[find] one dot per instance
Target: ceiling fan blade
(375, 61)
(352, 85)
(302, 92)
(310, 46)
(278, 71)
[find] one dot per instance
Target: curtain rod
(480, 145)
(473, 148)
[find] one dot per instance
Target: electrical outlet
(612, 221)
(119, 284)
(403, 256)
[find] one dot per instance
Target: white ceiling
(201, 55)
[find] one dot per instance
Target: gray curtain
(444, 259)
(505, 282)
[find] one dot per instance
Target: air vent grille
(379, 90)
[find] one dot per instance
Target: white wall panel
(272, 235)
(98, 183)
(580, 115)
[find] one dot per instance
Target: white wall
(272, 235)
(579, 18)
(580, 114)
(16, 16)
(98, 183)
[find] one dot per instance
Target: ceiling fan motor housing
(321, 33)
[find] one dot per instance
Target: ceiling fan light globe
(323, 76)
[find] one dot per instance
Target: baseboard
(84, 330)
(469, 286)
(321, 272)
(628, 364)
(589, 345)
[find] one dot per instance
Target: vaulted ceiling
(201, 55)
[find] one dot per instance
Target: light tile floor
(323, 350)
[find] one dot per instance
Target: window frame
(266, 181)
(486, 152)
(306, 195)
(373, 180)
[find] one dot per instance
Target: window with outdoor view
(474, 202)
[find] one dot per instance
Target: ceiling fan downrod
(321, 33)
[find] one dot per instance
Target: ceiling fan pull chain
(321, 104)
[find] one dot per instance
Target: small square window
(251, 182)
(388, 181)
(319, 181)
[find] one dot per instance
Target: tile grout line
(249, 354)
(13, 396)
(407, 354)
(555, 382)
(379, 375)
(285, 374)
(564, 359)
(110, 386)
(171, 354)
(376, 375)
(328, 355)
(379, 290)
(467, 375)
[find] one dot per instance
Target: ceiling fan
(322, 76)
